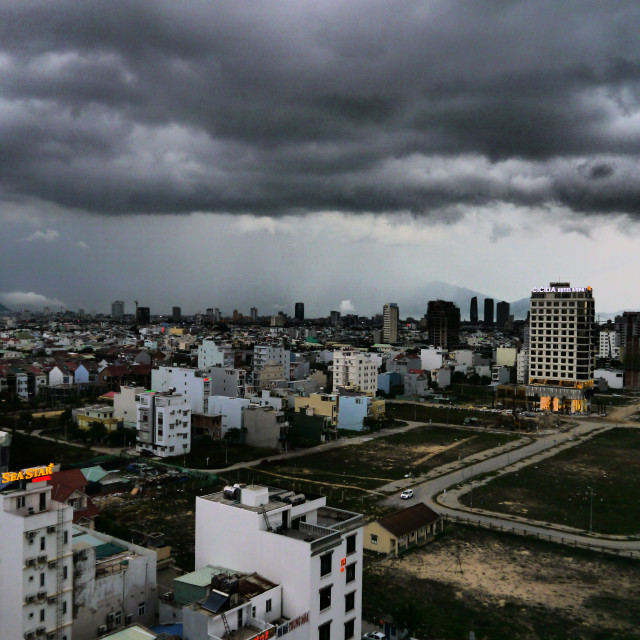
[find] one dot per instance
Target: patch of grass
(219, 455)
(558, 489)
(29, 451)
(348, 475)
(443, 415)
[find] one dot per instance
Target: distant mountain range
(4, 309)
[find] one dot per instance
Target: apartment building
(314, 552)
(36, 563)
(609, 345)
(215, 354)
(390, 314)
(352, 368)
(562, 346)
(163, 423)
(193, 384)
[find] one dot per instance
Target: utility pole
(590, 510)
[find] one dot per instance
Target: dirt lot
(507, 587)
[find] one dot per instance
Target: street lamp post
(590, 509)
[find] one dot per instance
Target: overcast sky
(231, 154)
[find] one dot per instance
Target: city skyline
(333, 153)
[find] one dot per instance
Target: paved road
(432, 492)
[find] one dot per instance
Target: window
(64, 572)
(325, 598)
(31, 616)
(20, 502)
(239, 618)
(374, 539)
(351, 572)
(141, 608)
(42, 543)
(349, 629)
(66, 537)
(253, 612)
(268, 605)
(64, 607)
(42, 579)
(41, 615)
(351, 544)
(350, 601)
(325, 564)
(117, 619)
(324, 631)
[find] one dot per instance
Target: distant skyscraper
(473, 311)
(488, 311)
(117, 309)
(299, 312)
(502, 313)
(236, 315)
(390, 313)
(143, 315)
(254, 313)
(443, 323)
(335, 318)
(176, 314)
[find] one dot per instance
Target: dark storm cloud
(281, 107)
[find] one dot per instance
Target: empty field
(504, 588)
(559, 489)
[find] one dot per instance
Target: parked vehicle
(405, 495)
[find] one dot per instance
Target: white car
(406, 494)
(377, 635)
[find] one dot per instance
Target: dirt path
(435, 450)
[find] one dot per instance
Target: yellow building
(402, 530)
(319, 404)
(97, 413)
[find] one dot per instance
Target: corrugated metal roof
(201, 577)
(108, 549)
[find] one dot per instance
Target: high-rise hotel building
(562, 346)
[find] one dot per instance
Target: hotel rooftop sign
(560, 289)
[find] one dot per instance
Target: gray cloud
(284, 107)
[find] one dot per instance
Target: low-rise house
(102, 413)
(402, 530)
(69, 488)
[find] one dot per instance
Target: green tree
(97, 431)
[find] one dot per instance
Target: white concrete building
(227, 381)
(432, 358)
(193, 384)
(522, 366)
(613, 377)
(352, 368)
(114, 584)
(264, 355)
(230, 409)
(124, 405)
(313, 551)
(35, 563)
(609, 345)
(163, 423)
(237, 607)
(214, 354)
(500, 374)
